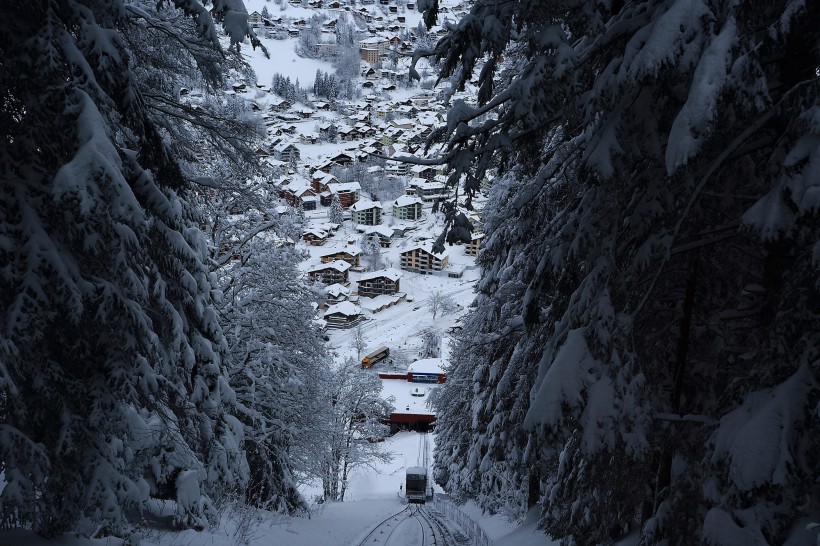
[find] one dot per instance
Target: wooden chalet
(378, 283)
(315, 237)
(330, 272)
(343, 315)
(349, 254)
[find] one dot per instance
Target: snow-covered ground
(374, 495)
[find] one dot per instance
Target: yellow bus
(379, 354)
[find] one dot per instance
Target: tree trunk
(664, 476)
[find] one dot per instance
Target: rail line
(431, 531)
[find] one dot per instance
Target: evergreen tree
(650, 250)
(112, 383)
(335, 213)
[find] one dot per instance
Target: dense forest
(155, 349)
(644, 352)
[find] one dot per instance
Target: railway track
(413, 525)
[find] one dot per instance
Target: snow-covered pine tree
(642, 351)
(112, 386)
(336, 213)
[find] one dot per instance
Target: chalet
(279, 105)
(366, 212)
(330, 272)
(295, 193)
(321, 181)
(255, 19)
(286, 152)
(384, 233)
(315, 237)
(407, 207)
(348, 192)
(475, 242)
(349, 254)
(343, 315)
(422, 259)
(377, 283)
(336, 293)
(346, 134)
(342, 159)
(423, 171)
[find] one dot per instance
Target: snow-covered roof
(365, 204)
(298, 189)
(344, 187)
(318, 233)
(283, 146)
(352, 250)
(344, 308)
(324, 178)
(381, 230)
(338, 265)
(428, 248)
(400, 390)
(337, 290)
(427, 365)
(407, 200)
(389, 273)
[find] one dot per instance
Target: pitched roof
(428, 248)
(344, 308)
(352, 250)
(365, 204)
(406, 200)
(390, 273)
(338, 265)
